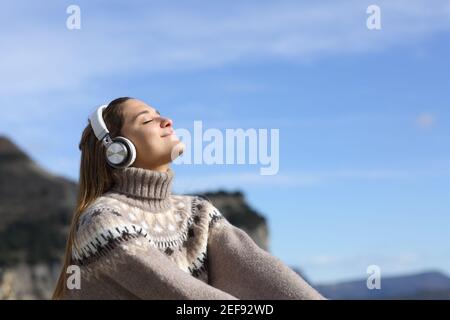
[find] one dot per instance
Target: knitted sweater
(140, 241)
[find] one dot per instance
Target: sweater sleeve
(154, 276)
(240, 267)
(129, 261)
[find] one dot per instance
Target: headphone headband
(98, 124)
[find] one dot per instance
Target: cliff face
(35, 211)
(36, 208)
(234, 207)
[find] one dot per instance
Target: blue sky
(363, 115)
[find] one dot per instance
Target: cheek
(152, 131)
(149, 138)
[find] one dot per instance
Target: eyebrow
(142, 112)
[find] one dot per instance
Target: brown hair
(95, 177)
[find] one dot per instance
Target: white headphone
(120, 152)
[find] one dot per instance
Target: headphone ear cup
(131, 157)
(121, 153)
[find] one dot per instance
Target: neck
(149, 189)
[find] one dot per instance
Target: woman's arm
(239, 266)
(116, 251)
(147, 273)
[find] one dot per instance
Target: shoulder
(99, 212)
(103, 212)
(100, 227)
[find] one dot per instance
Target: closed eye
(147, 121)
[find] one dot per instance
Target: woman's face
(152, 134)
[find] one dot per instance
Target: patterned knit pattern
(180, 231)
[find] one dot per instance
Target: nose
(166, 123)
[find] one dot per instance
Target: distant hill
(425, 285)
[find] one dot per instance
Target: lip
(168, 134)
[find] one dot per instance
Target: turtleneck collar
(148, 189)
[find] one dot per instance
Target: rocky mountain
(235, 208)
(35, 212)
(35, 209)
(425, 285)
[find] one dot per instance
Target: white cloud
(45, 56)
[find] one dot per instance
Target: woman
(132, 238)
